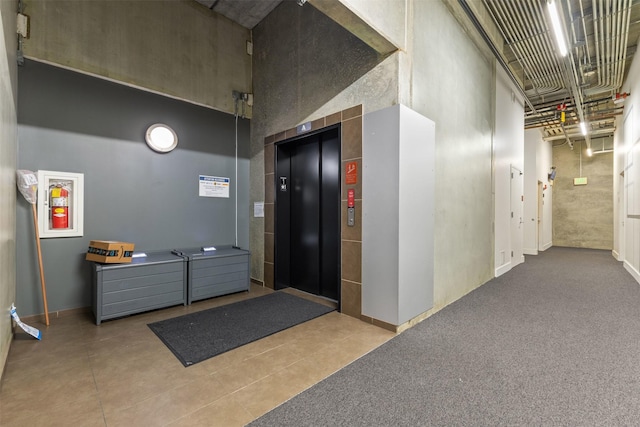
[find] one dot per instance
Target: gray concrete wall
(582, 215)
(8, 189)
(178, 48)
(453, 85)
(306, 66)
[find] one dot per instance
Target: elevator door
(308, 214)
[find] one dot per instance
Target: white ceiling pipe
(525, 45)
(514, 39)
(578, 135)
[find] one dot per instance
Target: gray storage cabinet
(155, 281)
(214, 273)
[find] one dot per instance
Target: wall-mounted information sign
(213, 186)
(580, 181)
(351, 173)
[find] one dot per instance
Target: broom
(28, 186)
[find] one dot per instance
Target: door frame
(540, 215)
(302, 139)
(517, 216)
(351, 135)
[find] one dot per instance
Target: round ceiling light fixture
(161, 138)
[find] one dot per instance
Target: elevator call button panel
(351, 207)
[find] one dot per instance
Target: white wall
(8, 191)
(532, 138)
(397, 216)
(508, 149)
(538, 162)
(627, 159)
(544, 161)
(619, 209)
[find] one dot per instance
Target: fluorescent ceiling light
(583, 128)
(557, 28)
(589, 152)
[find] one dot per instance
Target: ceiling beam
(344, 16)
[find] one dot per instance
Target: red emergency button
(351, 198)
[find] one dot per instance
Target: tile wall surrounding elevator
(351, 237)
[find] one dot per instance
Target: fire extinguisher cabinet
(213, 273)
(155, 281)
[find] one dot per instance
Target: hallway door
(539, 226)
(308, 214)
(517, 220)
(622, 211)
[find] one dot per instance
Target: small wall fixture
(161, 138)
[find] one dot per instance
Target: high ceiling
(602, 36)
(247, 13)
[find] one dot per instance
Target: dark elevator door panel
(305, 216)
(330, 215)
(307, 223)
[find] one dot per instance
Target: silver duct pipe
(624, 40)
(584, 29)
(597, 28)
(535, 19)
(610, 17)
(571, 75)
(597, 36)
(520, 27)
(597, 132)
(566, 136)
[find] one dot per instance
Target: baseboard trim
(503, 269)
(55, 314)
(397, 328)
(379, 323)
(616, 255)
(635, 273)
(546, 246)
(5, 353)
(530, 251)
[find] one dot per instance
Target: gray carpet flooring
(553, 342)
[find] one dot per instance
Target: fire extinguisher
(59, 206)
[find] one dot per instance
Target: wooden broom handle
(44, 287)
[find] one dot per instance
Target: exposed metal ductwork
(602, 37)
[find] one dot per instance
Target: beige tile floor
(121, 374)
